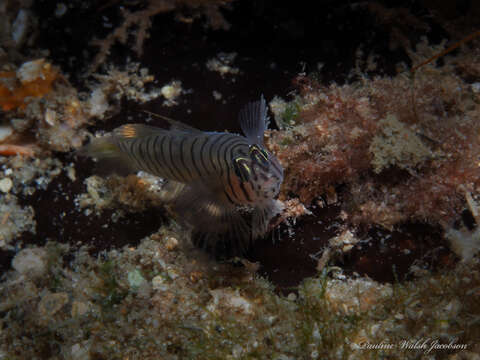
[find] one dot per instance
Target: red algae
(401, 157)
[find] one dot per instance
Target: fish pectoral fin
(217, 223)
(253, 120)
(201, 206)
(235, 241)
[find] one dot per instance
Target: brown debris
(12, 150)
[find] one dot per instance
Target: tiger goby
(221, 185)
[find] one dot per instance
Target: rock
(171, 243)
(355, 296)
(79, 308)
(6, 185)
(5, 132)
(80, 351)
(135, 279)
(51, 303)
(228, 299)
(158, 283)
(32, 70)
(31, 262)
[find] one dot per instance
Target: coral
(325, 144)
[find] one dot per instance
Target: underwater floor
(375, 255)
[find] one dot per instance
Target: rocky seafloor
(374, 109)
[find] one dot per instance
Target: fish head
(261, 170)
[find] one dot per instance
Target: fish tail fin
(110, 159)
(108, 153)
(99, 148)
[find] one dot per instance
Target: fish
(223, 186)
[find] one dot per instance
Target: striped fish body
(211, 158)
(224, 183)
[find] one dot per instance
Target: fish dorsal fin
(175, 125)
(132, 131)
(254, 120)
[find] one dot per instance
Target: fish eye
(242, 169)
(259, 155)
(264, 153)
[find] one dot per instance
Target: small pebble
(80, 351)
(476, 87)
(60, 10)
(292, 297)
(32, 261)
(79, 308)
(158, 283)
(52, 303)
(171, 243)
(31, 70)
(6, 185)
(172, 91)
(135, 279)
(5, 132)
